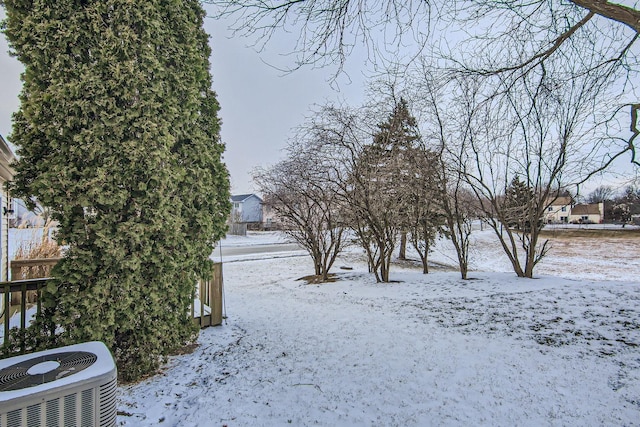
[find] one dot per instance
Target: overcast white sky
(260, 105)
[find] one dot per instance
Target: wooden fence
(237, 229)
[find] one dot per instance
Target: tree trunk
(403, 246)
(425, 264)
(318, 267)
(463, 271)
(384, 272)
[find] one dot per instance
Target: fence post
(210, 296)
(215, 294)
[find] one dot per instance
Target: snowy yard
(562, 349)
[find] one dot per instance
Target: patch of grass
(316, 280)
(45, 247)
(186, 349)
(565, 233)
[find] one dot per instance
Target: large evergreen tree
(518, 204)
(382, 188)
(118, 134)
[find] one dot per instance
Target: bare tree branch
(616, 12)
(539, 57)
(327, 30)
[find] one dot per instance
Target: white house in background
(270, 218)
(563, 211)
(559, 210)
(246, 209)
(6, 174)
(587, 214)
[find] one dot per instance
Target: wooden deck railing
(209, 301)
(20, 295)
(20, 289)
(32, 268)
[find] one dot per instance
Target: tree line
(619, 207)
(519, 102)
(389, 185)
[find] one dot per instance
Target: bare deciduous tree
(538, 128)
(459, 205)
(380, 187)
(444, 125)
(301, 192)
(340, 136)
(528, 131)
(601, 194)
(374, 209)
(425, 217)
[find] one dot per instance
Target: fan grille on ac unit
(16, 377)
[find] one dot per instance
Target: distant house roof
(591, 209)
(561, 201)
(6, 158)
(243, 197)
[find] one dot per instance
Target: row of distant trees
(392, 184)
(391, 188)
(539, 94)
(619, 207)
(519, 102)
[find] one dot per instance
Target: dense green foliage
(118, 134)
(518, 204)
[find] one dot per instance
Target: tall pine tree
(118, 134)
(382, 187)
(518, 204)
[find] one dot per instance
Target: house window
(236, 206)
(550, 209)
(563, 219)
(584, 217)
(564, 209)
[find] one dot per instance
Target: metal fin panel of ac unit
(33, 415)
(79, 410)
(83, 394)
(52, 413)
(14, 418)
(108, 404)
(69, 412)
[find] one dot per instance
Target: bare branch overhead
(617, 12)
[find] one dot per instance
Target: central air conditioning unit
(63, 387)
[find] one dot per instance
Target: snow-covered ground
(254, 238)
(561, 349)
